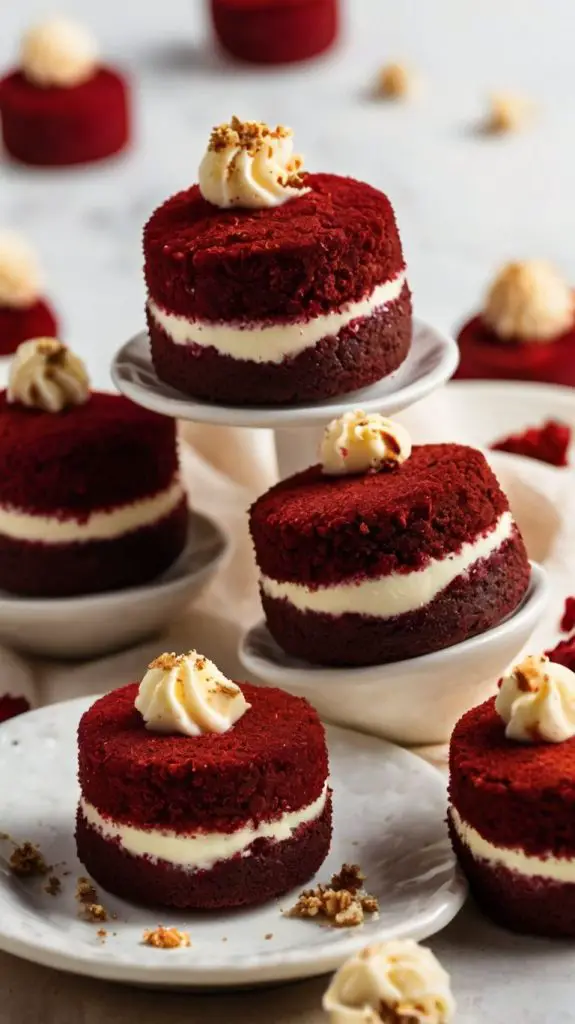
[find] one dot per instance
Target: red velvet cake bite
(383, 552)
(24, 313)
(198, 794)
(512, 799)
(90, 493)
(60, 106)
(275, 31)
(267, 285)
(526, 330)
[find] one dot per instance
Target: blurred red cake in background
(24, 313)
(526, 330)
(90, 493)
(61, 106)
(275, 31)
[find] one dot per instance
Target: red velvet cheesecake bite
(90, 493)
(383, 552)
(24, 312)
(198, 794)
(61, 106)
(267, 285)
(512, 799)
(526, 330)
(275, 31)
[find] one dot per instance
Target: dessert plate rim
(422, 875)
(419, 375)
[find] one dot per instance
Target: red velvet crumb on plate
(548, 443)
(11, 706)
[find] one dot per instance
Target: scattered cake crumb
(53, 886)
(547, 443)
(224, 939)
(166, 938)
(87, 897)
(269, 936)
(568, 620)
(508, 112)
(102, 934)
(343, 903)
(395, 81)
(27, 861)
(563, 653)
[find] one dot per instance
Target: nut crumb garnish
(508, 112)
(87, 897)
(343, 903)
(53, 886)
(102, 934)
(395, 81)
(268, 936)
(27, 861)
(248, 135)
(166, 938)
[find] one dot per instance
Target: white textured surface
(389, 808)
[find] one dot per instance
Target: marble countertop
(464, 202)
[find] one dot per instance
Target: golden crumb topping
(343, 903)
(166, 938)
(28, 862)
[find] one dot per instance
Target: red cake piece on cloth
(61, 106)
(275, 31)
(548, 443)
(24, 313)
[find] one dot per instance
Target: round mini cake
(196, 794)
(61, 106)
(383, 553)
(275, 31)
(526, 330)
(90, 493)
(268, 287)
(24, 313)
(512, 799)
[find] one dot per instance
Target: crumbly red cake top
(513, 794)
(92, 456)
(273, 760)
(314, 528)
(306, 257)
(548, 443)
(477, 336)
(19, 94)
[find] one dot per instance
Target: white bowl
(97, 624)
(431, 361)
(415, 702)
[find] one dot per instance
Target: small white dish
(432, 360)
(96, 624)
(415, 702)
(389, 811)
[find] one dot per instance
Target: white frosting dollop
(537, 701)
(360, 442)
(250, 165)
(529, 301)
(20, 278)
(58, 53)
(45, 375)
(398, 980)
(187, 694)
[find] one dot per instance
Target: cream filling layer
(271, 343)
(557, 869)
(397, 593)
(199, 850)
(98, 526)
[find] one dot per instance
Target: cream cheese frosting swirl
(250, 165)
(529, 301)
(398, 980)
(46, 375)
(58, 53)
(20, 279)
(187, 694)
(537, 701)
(360, 443)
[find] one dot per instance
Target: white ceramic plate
(96, 624)
(389, 817)
(414, 702)
(431, 361)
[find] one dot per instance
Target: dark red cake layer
(320, 529)
(472, 604)
(533, 906)
(483, 356)
(274, 760)
(307, 257)
(12, 706)
(270, 870)
(513, 794)
(548, 443)
(94, 566)
(275, 31)
(18, 325)
(360, 355)
(104, 453)
(52, 127)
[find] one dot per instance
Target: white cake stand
(431, 362)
